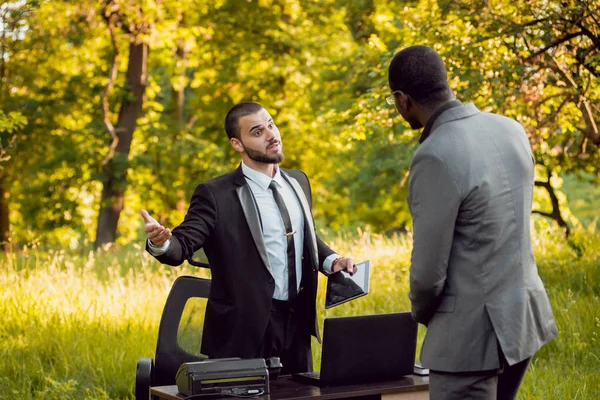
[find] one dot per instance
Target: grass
(74, 325)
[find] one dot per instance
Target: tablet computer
(343, 287)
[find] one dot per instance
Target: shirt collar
(262, 180)
(446, 106)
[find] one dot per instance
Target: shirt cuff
(159, 251)
(328, 261)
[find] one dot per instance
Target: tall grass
(73, 326)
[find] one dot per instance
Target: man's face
(260, 139)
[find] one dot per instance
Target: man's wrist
(328, 262)
(335, 262)
(158, 250)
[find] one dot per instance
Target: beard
(263, 157)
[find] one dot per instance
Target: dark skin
(414, 113)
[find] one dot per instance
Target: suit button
(271, 280)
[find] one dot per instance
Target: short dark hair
(419, 72)
(232, 120)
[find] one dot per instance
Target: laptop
(365, 348)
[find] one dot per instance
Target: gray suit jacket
(473, 277)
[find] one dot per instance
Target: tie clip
(289, 233)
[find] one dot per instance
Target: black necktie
(291, 251)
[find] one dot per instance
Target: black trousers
(288, 337)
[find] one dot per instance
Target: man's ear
(407, 101)
(236, 144)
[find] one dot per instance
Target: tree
(122, 125)
(542, 61)
(131, 20)
(54, 84)
(13, 24)
(9, 124)
(362, 176)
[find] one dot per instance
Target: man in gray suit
(473, 278)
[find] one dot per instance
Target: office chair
(169, 354)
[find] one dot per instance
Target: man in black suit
(253, 223)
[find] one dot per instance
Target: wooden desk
(411, 387)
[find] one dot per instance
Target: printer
(227, 377)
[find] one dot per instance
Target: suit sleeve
(434, 201)
(324, 251)
(197, 225)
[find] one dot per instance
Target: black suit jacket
(223, 218)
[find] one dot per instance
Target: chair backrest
(192, 261)
(169, 354)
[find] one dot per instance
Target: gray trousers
(500, 384)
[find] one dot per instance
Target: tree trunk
(115, 171)
(178, 86)
(4, 221)
(177, 100)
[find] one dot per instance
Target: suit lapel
(252, 217)
(312, 242)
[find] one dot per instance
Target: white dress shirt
(273, 227)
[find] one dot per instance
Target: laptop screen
(368, 347)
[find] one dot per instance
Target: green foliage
(320, 68)
(74, 325)
(538, 62)
(12, 122)
(9, 125)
